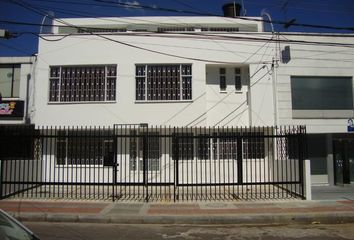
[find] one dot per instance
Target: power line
(155, 8)
(221, 100)
(253, 53)
(197, 35)
(127, 44)
(121, 42)
(255, 39)
(116, 41)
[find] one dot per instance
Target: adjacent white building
(16, 74)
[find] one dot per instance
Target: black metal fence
(137, 162)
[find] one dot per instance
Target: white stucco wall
(203, 110)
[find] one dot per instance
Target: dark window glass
(222, 83)
(84, 147)
(238, 83)
(317, 153)
(18, 142)
(321, 93)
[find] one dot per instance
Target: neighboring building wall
(315, 60)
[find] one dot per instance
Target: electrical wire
(221, 100)
(130, 5)
(196, 34)
(155, 8)
(239, 106)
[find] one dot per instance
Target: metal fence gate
(142, 163)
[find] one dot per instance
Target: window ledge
(88, 102)
(10, 98)
(223, 91)
(322, 114)
(238, 91)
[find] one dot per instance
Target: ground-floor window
(221, 145)
(83, 147)
(184, 144)
(253, 145)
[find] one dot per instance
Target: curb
(311, 218)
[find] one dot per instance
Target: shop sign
(11, 109)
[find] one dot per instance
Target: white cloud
(132, 4)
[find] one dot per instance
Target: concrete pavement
(255, 212)
(332, 205)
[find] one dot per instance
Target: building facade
(196, 72)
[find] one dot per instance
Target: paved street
(87, 231)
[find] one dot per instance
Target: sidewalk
(255, 212)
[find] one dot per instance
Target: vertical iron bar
(239, 161)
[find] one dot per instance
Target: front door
(343, 155)
(145, 155)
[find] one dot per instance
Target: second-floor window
(90, 83)
(171, 82)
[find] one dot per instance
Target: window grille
(225, 147)
(163, 82)
(220, 29)
(82, 83)
(82, 147)
(101, 30)
(175, 29)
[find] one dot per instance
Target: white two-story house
(199, 72)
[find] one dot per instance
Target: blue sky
(338, 13)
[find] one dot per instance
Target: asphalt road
(85, 231)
